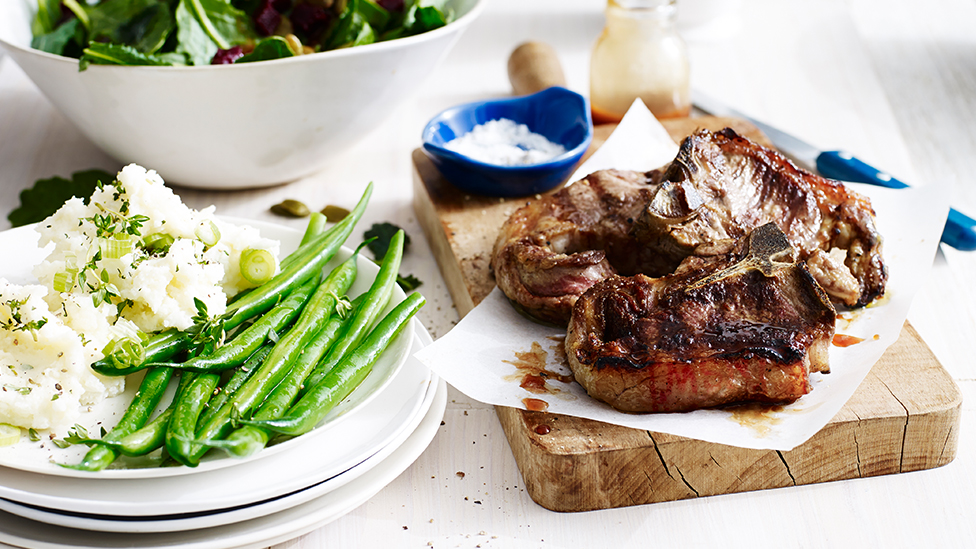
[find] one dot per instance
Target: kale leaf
(47, 195)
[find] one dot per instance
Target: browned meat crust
(751, 332)
(722, 185)
(552, 250)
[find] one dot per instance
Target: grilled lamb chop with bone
(736, 321)
(552, 250)
(720, 186)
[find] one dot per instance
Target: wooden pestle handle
(533, 67)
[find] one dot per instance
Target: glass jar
(639, 54)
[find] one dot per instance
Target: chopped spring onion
(63, 281)
(71, 263)
(157, 242)
(257, 265)
(125, 351)
(9, 434)
(114, 248)
(208, 233)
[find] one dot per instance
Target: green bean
(148, 437)
(158, 348)
(236, 380)
(316, 226)
(320, 250)
(142, 441)
(348, 374)
(147, 398)
(377, 297)
(244, 343)
(185, 415)
(152, 435)
(249, 439)
(275, 368)
(237, 351)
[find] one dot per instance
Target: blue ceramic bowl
(560, 115)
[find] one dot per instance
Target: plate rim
(277, 527)
(162, 524)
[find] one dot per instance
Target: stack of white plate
(281, 493)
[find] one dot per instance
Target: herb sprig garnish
(16, 320)
(208, 331)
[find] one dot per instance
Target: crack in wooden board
(904, 416)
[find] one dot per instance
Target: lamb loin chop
(553, 249)
(719, 186)
(737, 321)
(722, 185)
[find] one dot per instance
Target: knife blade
(960, 229)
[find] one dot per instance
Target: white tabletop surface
(890, 80)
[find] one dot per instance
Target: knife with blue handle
(960, 229)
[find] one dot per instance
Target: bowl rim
(553, 163)
(366, 49)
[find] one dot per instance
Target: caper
(334, 214)
(291, 208)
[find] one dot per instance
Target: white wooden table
(889, 80)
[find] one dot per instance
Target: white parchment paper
(477, 356)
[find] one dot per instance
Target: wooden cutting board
(903, 417)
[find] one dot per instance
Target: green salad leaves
(204, 32)
(47, 195)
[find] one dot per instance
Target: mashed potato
(133, 259)
(44, 370)
(152, 289)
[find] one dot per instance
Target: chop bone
(768, 250)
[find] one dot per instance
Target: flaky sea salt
(505, 143)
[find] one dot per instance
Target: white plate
(261, 532)
(367, 430)
(37, 457)
(177, 523)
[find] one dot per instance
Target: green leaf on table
(378, 239)
(272, 47)
(98, 53)
(47, 195)
(204, 26)
(381, 233)
(57, 40)
(408, 283)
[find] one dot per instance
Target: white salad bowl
(234, 126)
